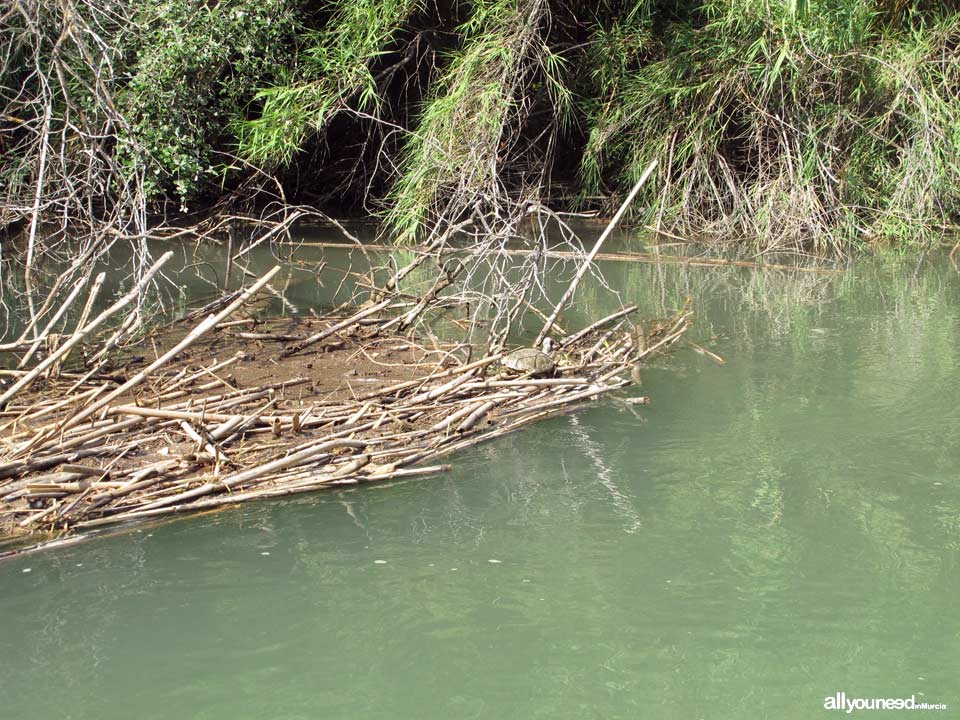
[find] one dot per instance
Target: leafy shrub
(193, 70)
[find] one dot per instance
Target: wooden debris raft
(180, 435)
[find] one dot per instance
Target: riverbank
(823, 127)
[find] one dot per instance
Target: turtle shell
(528, 360)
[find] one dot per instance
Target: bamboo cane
(194, 334)
(572, 288)
(81, 333)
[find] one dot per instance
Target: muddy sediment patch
(257, 409)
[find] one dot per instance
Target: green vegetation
(193, 67)
(471, 123)
(334, 73)
(833, 121)
(803, 124)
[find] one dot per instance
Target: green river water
(764, 534)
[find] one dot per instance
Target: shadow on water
(766, 533)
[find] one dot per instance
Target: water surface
(766, 533)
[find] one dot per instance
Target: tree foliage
(193, 69)
(787, 123)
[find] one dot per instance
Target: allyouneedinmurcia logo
(840, 701)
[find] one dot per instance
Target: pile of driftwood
(182, 433)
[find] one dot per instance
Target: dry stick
(210, 307)
(29, 433)
(528, 382)
(98, 360)
(87, 308)
(358, 414)
(184, 496)
(215, 453)
(78, 286)
(215, 402)
(296, 475)
(463, 400)
(273, 337)
(18, 468)
(631, 257)
(77, 265)
(165, 414)
(288, 488)
(595, 348)
(139, 480)
(420, 382)
(39, 516)
(35, 214)
(55, 485)
(32, 414)
(394, 282)
(81, 333)
(108, 427)
(572, 288)
(444, 444)
(225, 429)
(598, 324)
(436, 244)
(209, 406)
(280, 227)
(455, 417)
(679, 327)
(15, 346)
(471, 438)
(216, 367)
(231, 429)
(177, 394)
(703, 351)
(162, 383)
(83, 470)
(231, 237)
(11, 491)
(257, 494)
(335, 328)
(404, 321)
(476, 416)
(104, 473)
(440, 390)
(192, 336)
(691, 260)
(100, 431)
(311, 454)
(239, 397)
(173, 484)
(276, 293)
(592, 391)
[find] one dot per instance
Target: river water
(765, 534)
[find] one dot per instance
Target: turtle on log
(529, 361)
